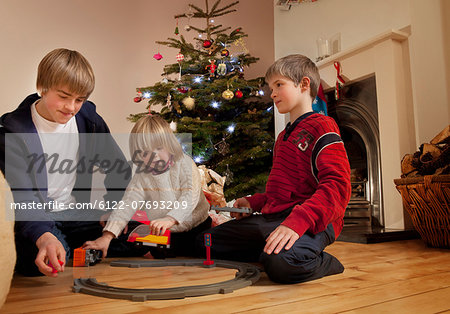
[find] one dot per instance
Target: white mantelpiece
(387, 57)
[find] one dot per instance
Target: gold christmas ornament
(177, 106)
(189, 102)
(227, 94)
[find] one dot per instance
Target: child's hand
(281, 237)
(240, 202)
(160, 225)
(50, 250)
(101, 243)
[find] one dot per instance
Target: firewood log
(442, 161)
(430, 152)
(407, 166)
(430, 159)
(443, 137)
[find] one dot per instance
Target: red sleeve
(329, 201)
(257, 201)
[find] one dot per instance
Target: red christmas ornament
(207, 43)
(157, 56)
(138, 98)
(238, 94)
(183, 89)
(180, 57)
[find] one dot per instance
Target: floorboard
(391, 277)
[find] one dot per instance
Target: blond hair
(65, 68)
(295, 67)
(151, 132)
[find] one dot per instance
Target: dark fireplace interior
(356, 113)
(358, 211)
(357, 155)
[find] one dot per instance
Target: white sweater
(179, 188)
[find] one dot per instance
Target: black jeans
(244, 240)
(72, 235)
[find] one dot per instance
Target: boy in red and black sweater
(307, 191)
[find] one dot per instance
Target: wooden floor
(392, 277)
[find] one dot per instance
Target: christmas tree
(205, 93)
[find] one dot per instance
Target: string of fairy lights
(219, 67)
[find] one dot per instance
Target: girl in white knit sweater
(166, 185)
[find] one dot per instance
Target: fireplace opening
(357, 117)
(358, 211)
(357, 156)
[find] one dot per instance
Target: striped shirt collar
(291, 126)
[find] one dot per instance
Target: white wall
(428, 68)
(118, 38)
(445, 15)
(296, 31)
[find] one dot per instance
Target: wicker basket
(427, 200)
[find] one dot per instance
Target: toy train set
(246, 274)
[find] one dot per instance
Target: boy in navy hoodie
(49, 147)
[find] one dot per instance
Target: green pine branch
(215, 5)
(220, 30)
(223, 13)
(226, 7)
(213, 28)
(198, 30)
(200, 12)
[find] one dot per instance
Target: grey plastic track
(244, 210)
(246, 275)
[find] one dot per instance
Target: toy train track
(246, 275)
(244, 210)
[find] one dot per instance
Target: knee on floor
(278, 269)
